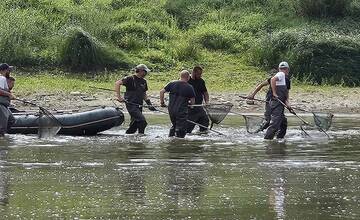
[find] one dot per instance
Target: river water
(237, 176)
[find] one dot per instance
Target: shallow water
(238, 176)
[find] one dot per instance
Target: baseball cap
(5, 66)
(283, 65)
(142, 67)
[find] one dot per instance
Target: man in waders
(268, 96)
(6, 117)
(181, 94)
(197, 114)
(280, 97)
(136, 87)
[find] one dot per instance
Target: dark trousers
(179, 123)
(137, 120)
(6, 119)
(278, 123)
(199, 116)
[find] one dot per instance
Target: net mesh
(323, 120)
(217, 112)
(254, 124)
(49, 126)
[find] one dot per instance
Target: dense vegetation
(319, 38)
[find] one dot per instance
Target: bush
(183, 50)
(214, 37)
(82, 52)
(322, 8)
(312, 57)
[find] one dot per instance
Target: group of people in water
(188, 95)
(186, 99)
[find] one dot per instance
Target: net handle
(42, 109)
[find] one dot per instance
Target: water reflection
(186, 175)
(277, 150)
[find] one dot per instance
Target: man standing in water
(136, 87)
(6, 117)
(268, 97)
(181, 95)
(280, 97)
(197, 114)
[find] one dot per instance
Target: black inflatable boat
(83, 123)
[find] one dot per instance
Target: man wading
(268, 97)
(181, 95)
(197, 114)
(136, 87)
(280, 93)
(6, 117)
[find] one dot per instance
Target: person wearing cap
(181, 94)
(6, 117)
(280, 96)
(268, 96)
(197, 114)
(135, 94)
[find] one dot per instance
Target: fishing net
(323, 120)
(49, 126)
(217, 112)
(255, 124)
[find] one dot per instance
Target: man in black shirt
(136, 87)
(198, 114)
(181, 95)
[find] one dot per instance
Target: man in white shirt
(6, 117)
(280, 96)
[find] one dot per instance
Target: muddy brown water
(238, 176)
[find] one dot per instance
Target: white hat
(283, 65)
(142, 67)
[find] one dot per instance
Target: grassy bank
(236, 41)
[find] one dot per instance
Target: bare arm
(6, 93)
(117, 90)
(206, 97)
(257, 89)
(273, 86)
(162, 102)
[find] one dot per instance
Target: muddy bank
(336, 102)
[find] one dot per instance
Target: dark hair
(196, 68)
(11, 78)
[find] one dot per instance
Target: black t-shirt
(180, 94)
(269, 92)
(135, 89)
(199, 88)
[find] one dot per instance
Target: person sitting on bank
(280, 97)
(135, 94)
(197, 114)
(6, 117)
(181, 94)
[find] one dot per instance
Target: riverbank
(335, 100)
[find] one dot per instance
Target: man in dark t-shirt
(181, 94)
(197, 114)
(136, 87)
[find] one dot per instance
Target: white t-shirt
(3, 83)
(281, 79)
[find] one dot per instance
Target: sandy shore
(336, 102)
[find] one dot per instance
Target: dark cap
(5, 66)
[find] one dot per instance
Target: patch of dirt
(337, 102)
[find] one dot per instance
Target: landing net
(49, 126)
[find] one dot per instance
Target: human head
(197, 72)
(184, 75)
(5, 69)
(284, 67)
(11, 82)
(141, 70)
